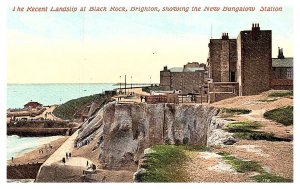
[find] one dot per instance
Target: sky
(101, 47)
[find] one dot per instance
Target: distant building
(31, 105)
(282, 67)
(187, 79)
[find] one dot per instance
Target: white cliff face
(123, 131)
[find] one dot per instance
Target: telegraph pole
(120, 85)
(125, 84)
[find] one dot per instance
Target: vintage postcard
(154, 91)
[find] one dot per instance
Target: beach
(39, 154)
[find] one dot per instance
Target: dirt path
(275, 157)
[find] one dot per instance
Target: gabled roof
(282, 63)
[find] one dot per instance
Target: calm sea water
(48, 94)
(20, 145)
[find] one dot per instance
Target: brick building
(282, 67)
(241, 66)
(222, 59)
(254, 60)
(187, 79)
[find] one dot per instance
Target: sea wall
(23, 171)
(123, 131)
(38, 128)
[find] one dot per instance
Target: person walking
(64, 160)
(67, 155)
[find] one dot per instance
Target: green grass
(243, 166)
(246, 131)
(281, 94)
(240, 165)
(242, 126)
(166, 163)
(68, 109)
(283, 115)
(268, 100)
(226, 112)
(267, 177)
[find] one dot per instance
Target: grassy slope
(166, 163)
(244, 166)
(282, 115)
(68, 109)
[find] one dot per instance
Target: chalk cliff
(123, 131)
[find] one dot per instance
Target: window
(289, 73)
(232, 76)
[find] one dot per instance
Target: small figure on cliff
(141, 98)
(12, 159)
(64, 160)
(87, 163)
(93, 166)
(67, 155)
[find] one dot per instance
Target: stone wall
(282, 84)
(23, 171)
(187, 82)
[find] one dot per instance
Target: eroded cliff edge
(123, 131)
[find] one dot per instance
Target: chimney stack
(280, 53)
(255, 31)
(225, 36)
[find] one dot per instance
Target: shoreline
(36, 154)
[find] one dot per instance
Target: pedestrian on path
(64, 160)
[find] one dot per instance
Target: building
(31, 105)
(282, 72)
(282, 67)
(254, 60)
(222, 59)
(241, 66)
(187, 79)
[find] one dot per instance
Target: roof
(180, 69)
(282, 63)
(32, 104)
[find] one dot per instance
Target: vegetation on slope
(281, 94)
(283, 115)
(244, 166)
(246, 131)
(166, 162)
(68, 109)
(227, 112)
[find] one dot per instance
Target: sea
(46, 94)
